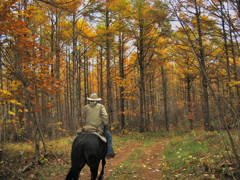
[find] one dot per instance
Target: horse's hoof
(100, 177)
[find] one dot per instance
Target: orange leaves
(130, 113)
(10, 22)
(129, 87)
(26, 62)
(29, 89)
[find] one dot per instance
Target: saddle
(94, 130)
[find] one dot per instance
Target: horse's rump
(89, 142)
(87, 148)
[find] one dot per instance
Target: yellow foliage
(14, 101)
(85, 28)
(4, 94)
(234, 83)
(12, 113)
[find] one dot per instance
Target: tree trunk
(101, 72)
(165, 98)
(122, 76)
(141, 76)
(201, 58)
(74, 76)
(108, 67)
(189, 102)
(227, 56)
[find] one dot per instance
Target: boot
(111, 155)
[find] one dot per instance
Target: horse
(87, 148)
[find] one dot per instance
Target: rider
(96, 115)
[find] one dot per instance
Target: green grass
(182, 156)
(195, 155)
(128, 169)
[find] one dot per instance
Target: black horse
(88, 149)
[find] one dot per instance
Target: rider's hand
(104, 128)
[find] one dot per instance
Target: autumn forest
(156, 64)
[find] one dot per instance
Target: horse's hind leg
(74, 172)
(94, 172)
(100, 177)
(94, 163)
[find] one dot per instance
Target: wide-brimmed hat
(94, 97)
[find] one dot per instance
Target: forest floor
(195, 155)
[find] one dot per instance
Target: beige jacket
(95, 115)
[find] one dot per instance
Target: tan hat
(94, 97)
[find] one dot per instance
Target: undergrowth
(20, 162)
(199, 155)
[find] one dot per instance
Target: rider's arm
(104, 116)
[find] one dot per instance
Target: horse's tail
(78, 160)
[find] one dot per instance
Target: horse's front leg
(100, 177)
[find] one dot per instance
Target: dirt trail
(122, 154)
(150, 161)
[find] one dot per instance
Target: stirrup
(112, 155)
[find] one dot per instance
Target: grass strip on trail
(139, 164)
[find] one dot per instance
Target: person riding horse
(96, 116)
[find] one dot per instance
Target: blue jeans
(109, 140)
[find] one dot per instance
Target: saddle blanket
(103, 138)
